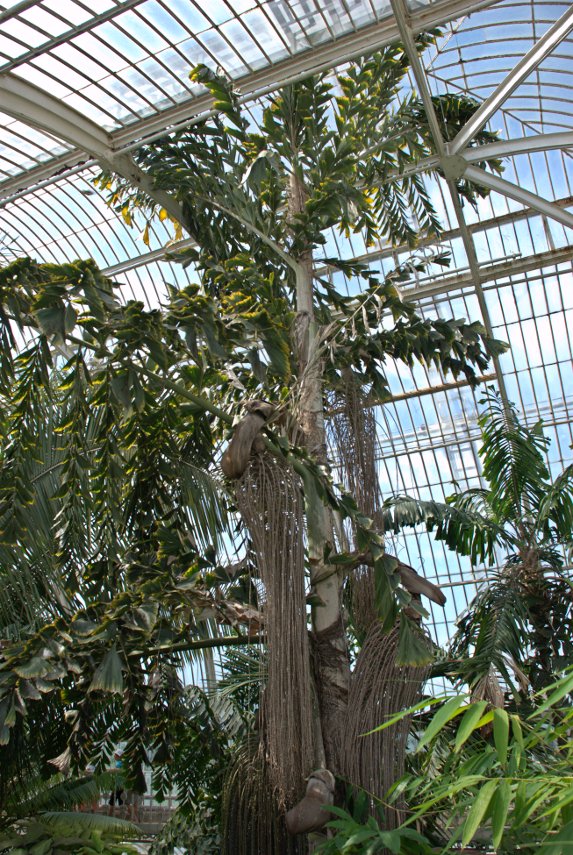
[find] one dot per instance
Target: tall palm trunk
(332, 669)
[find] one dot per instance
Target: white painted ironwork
(517, 75)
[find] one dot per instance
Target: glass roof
(82, 82)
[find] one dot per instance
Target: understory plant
(482, 778)
(43, 817)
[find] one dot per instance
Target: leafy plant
(117, 527)
(504, 777)
(481, 777)
(38, 820)
(518, 626)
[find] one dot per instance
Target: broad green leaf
(478, 810)
(558, 844)
(469, 723)
(500, 807)
(501, 734)
(413, 647)
(516, 729)
(383, 592)
(563, 687)
(399, 716)
(51, 320)
(562, 802)
(41, 848)
(358, 837)
(36, 667)
(391, 840)
(536, 794)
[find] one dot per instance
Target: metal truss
(40, 110)
(252, 85)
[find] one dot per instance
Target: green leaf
(36, 667)
(399, 716)
(478, 810)
(70, 318)
(455, 706)
(358, 837)
(413, 647)
(563, 687)
(469, 723)
(108, 676)
(51, 321)
(41, 848)
(384, 568)
(501, 734)
(558, 844)
(391, 840)
(500, 808)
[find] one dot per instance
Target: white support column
(523, 69)
(531, 200)
(453, 166)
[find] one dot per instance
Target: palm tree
(519, 624)
(248, 357)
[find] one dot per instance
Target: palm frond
(490, 634)
(75, 822)
(463, 526)
(513, 460)
(556, 507)
(57, 794)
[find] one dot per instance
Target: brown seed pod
(236, 457)
(309, 814)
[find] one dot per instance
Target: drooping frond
(513, 461)
(555, 510)
(464, 527)
(490, 634)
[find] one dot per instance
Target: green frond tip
(74, 822)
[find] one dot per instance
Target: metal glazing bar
(443, 152)
(523, 69)
(267, 80)
(43, 175)
(513, 267)
(64, 37)
(16, 9)
(40, 110)
(313, 61)
(37, 108)
(519, 194)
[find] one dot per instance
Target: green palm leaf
(513, 458)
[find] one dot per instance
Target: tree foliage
(114, 521)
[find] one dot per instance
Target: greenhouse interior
(286, 468)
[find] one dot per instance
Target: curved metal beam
(37, 108)
(451, 165)
(519, 194)
(521, 145)
(517, 75)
